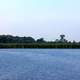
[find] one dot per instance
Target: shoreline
(40, 45)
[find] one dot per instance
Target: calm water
(39, 64)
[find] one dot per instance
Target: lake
(39, 64)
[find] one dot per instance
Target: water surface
(39, 64)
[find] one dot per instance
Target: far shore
(41, 45)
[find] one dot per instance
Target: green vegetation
(9, 41)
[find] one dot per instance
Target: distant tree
(28, 40)
(69, 42)
(62, 37)
(41, 40)
(74, 42)
(56, 40)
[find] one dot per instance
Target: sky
(40, 18)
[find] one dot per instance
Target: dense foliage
(9, 41)
(15, 39)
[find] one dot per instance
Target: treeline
(17, 39)
(9, 41)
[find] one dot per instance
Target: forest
(9, 41)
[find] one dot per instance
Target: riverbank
(39, 45)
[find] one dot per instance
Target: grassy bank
(39, 45)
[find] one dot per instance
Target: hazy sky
(41, 18)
